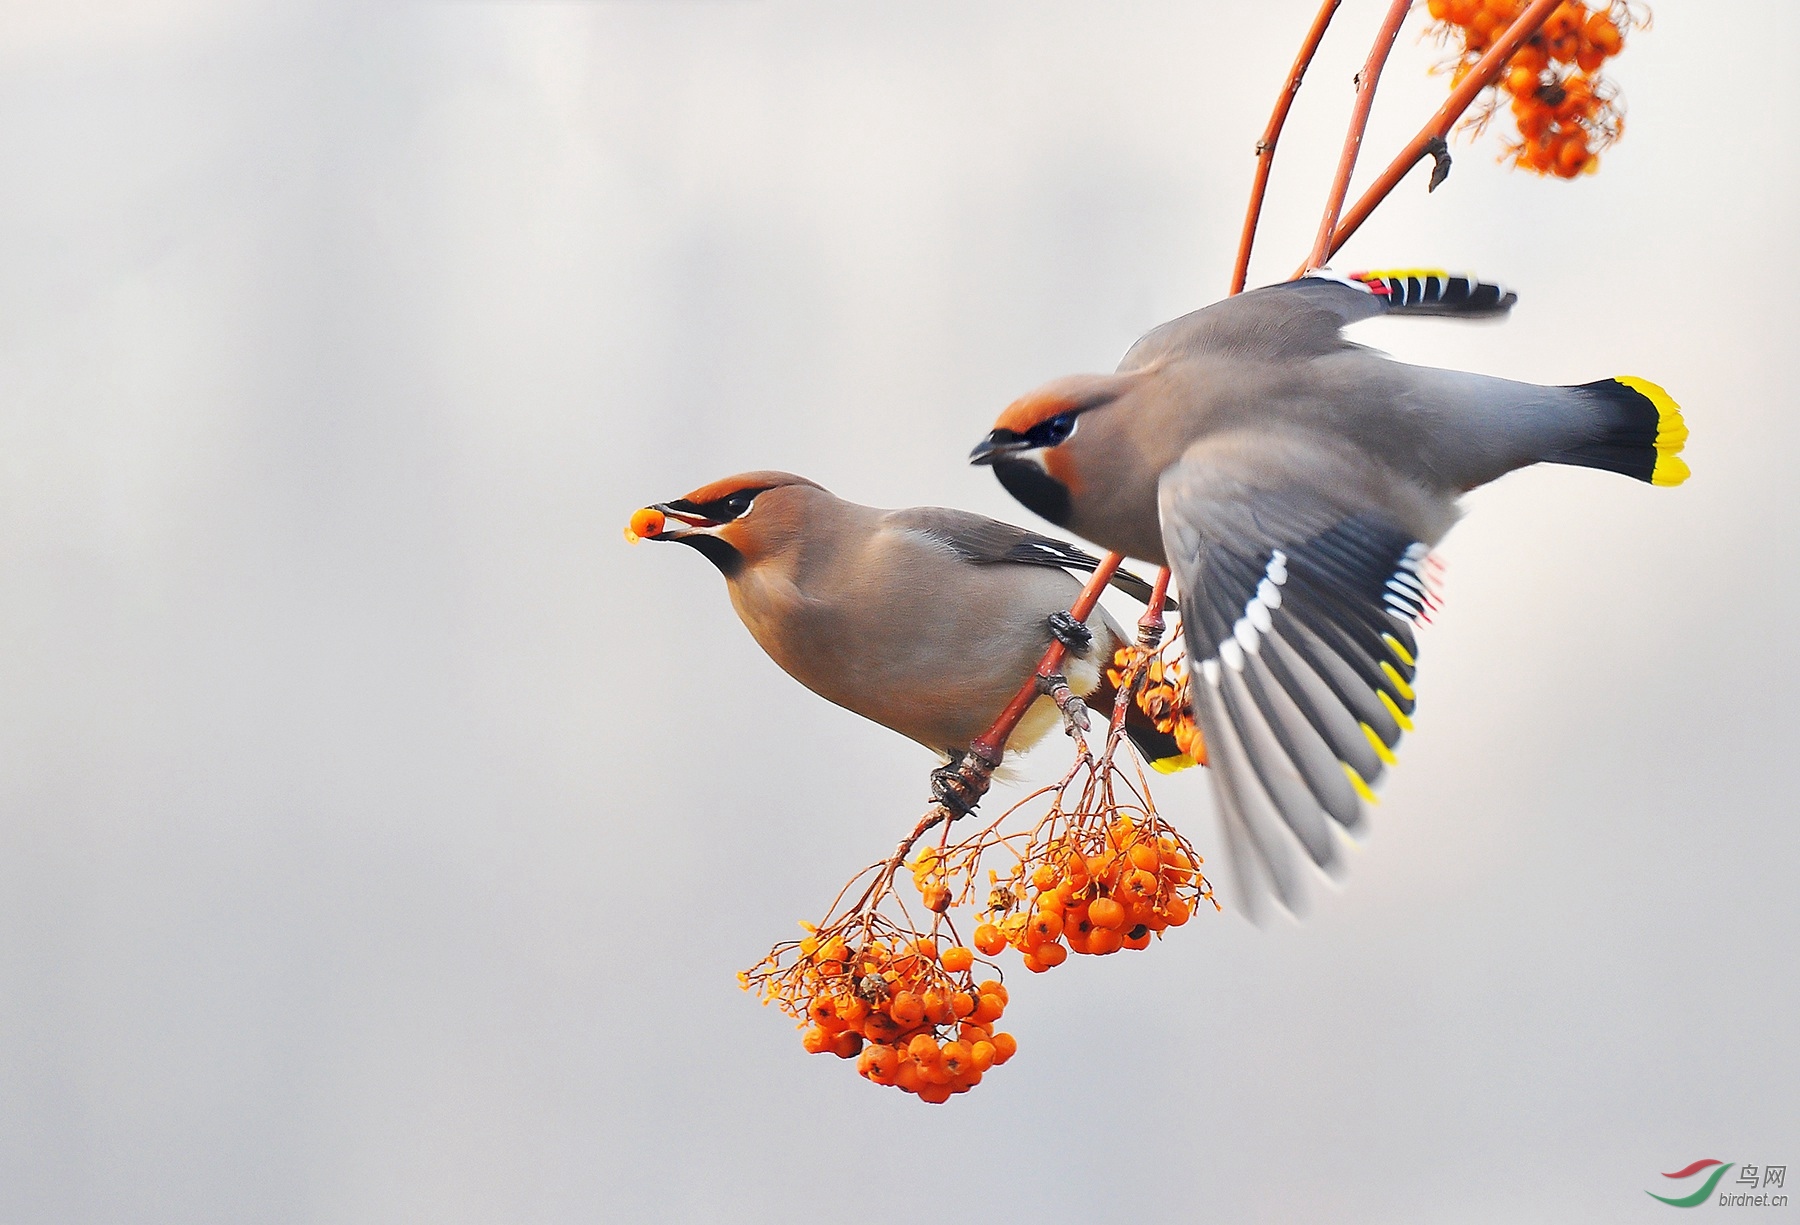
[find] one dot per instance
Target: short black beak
(681, 511)
(998, 444)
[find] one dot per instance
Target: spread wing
(986, 541)
(1306, 317)
(1298, 598)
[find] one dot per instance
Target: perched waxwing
(925, 620)
(1295, 483)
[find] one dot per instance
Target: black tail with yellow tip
(1158, 747)
(1642, 436)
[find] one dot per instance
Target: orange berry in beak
(646, 524)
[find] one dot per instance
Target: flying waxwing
(925, 620)
(1295, 483)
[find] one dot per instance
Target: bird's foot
(1055, 686)
(958, 787)
(1071, 633)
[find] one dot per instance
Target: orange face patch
(1027, 412)
(1059, 464)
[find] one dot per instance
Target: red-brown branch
(1366, 81)
(1265, 148)
(1431, 136)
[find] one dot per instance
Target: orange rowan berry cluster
(1163, 696)
(1095, 888)
(1566, 113)
(910, 1016)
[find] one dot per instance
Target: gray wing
(984, 541)
(1306, 317)
(1297, 606)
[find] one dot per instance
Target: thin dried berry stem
(1482, 75)
(1265, 148)
(1366, 82)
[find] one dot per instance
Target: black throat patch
(1041, 493)
(718, 552)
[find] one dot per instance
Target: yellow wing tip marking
(1400, 652)
(1356, 781)
(1173, 765)
(1670, 470)
(1379, 745)
(1393, 674)
(1393, 709)
(1387, 274)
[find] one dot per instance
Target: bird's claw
(1071, 633)
(958, 787)
(1055, 686)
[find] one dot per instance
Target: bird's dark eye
(739, 503)
(1053, 432)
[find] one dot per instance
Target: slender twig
(1265, 148)
(1366, 81)
(1432, 135)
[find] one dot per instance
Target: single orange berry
(907, 1009)
(1031, 963)
(1139, 941)
(816, 1041)
(1106, 913)
(879, 1064)
(1044, 877)
(1604, 34)
(1177, 911)
(989, 940)
(988, 1008)
(937, 1095)
(924, 1049)
(646, 524)
(1051, 954)
(1046, 925)
(956, 1058)
(1104, 940)
(937, 1007)
(962, 1004)
(994, 986)
(846, 1045)
(981, 1054)
(1144, 856)
(956, 959)
(926, 947)
(937, 898)
(1005, 1047)
(1141, 885)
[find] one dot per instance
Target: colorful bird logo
(1706, 1188)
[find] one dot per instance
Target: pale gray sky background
(380, 835)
